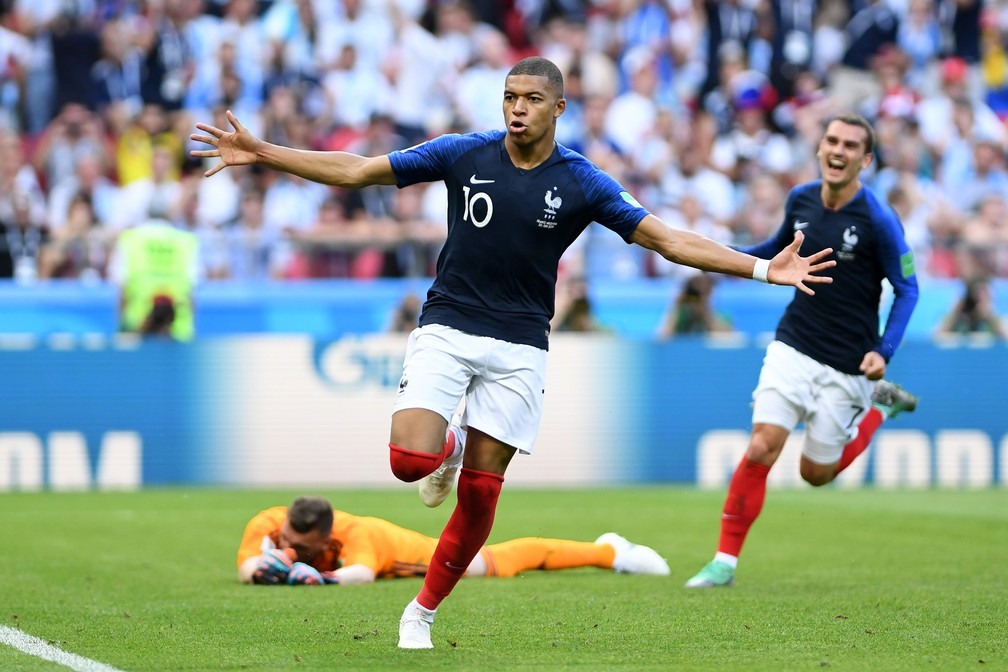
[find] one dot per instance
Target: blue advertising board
(284, 410)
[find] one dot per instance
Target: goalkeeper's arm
(353, 574)
(271, 567)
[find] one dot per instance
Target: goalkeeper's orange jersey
(386, 548)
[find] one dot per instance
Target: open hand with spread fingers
(790, 268)
(234, 148)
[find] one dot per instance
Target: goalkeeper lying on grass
(310, 543)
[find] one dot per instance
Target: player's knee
(762, 451)
(817, 474)
(411, 465)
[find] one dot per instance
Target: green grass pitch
(851, 580)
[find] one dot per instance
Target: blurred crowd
(707, 111)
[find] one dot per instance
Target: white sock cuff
(422, 609)
(730, 560)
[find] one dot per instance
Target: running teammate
(820, 368)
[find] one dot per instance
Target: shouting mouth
(835, 168)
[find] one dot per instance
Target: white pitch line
(39, 648)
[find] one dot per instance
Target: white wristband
(761, 269)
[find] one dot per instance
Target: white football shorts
(794, 388)
(503, 383)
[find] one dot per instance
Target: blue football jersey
(840, 323)
(507, 229)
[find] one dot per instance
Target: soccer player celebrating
(516, 201)
(821, 366)
(309, 543)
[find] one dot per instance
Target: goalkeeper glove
(302, 574)
(273, 568)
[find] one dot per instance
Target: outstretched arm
(691, 249)
(240, 148)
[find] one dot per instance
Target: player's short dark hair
(537, 66)
(310, 513)
(857, 120)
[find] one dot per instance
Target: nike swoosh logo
(475, 180)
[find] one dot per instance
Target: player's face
(307, 545)
(842, 154)
(531, 108)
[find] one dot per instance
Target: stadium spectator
(420, 213)
(982, 244)
(17, 177)
(936, 111)
(23, 236)
(646, 27)
(135, 145)
(870, 32)
(919, 36)
(491, 267)
(751, 146)
(168, 59)
(574, 312)
(355, 92)
(692, 313)
(973, 312)
(249, 251)
(366, 26)
(730, 28)
(827, 352)
(74, 132)
(117, 77)
(35, 21)
(567, 43)
(632, 113)
(793, 26)
(310, 543)
(994, 63)
(406, 316)
(160, 191)
(689, 213)
(592, 139)
(717, 100)
(339, 247)
(218, 82)
(15, 55)
(90, 180)
(476, 89)
(982, 171)
(418, 69)
(691, 176)
(79, 248)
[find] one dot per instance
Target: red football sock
(866, 430)
(746, 495)
(464, 535)
(412, 465)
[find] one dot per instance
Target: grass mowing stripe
(34, 646)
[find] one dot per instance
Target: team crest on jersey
(553, 203)
(850, 241)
